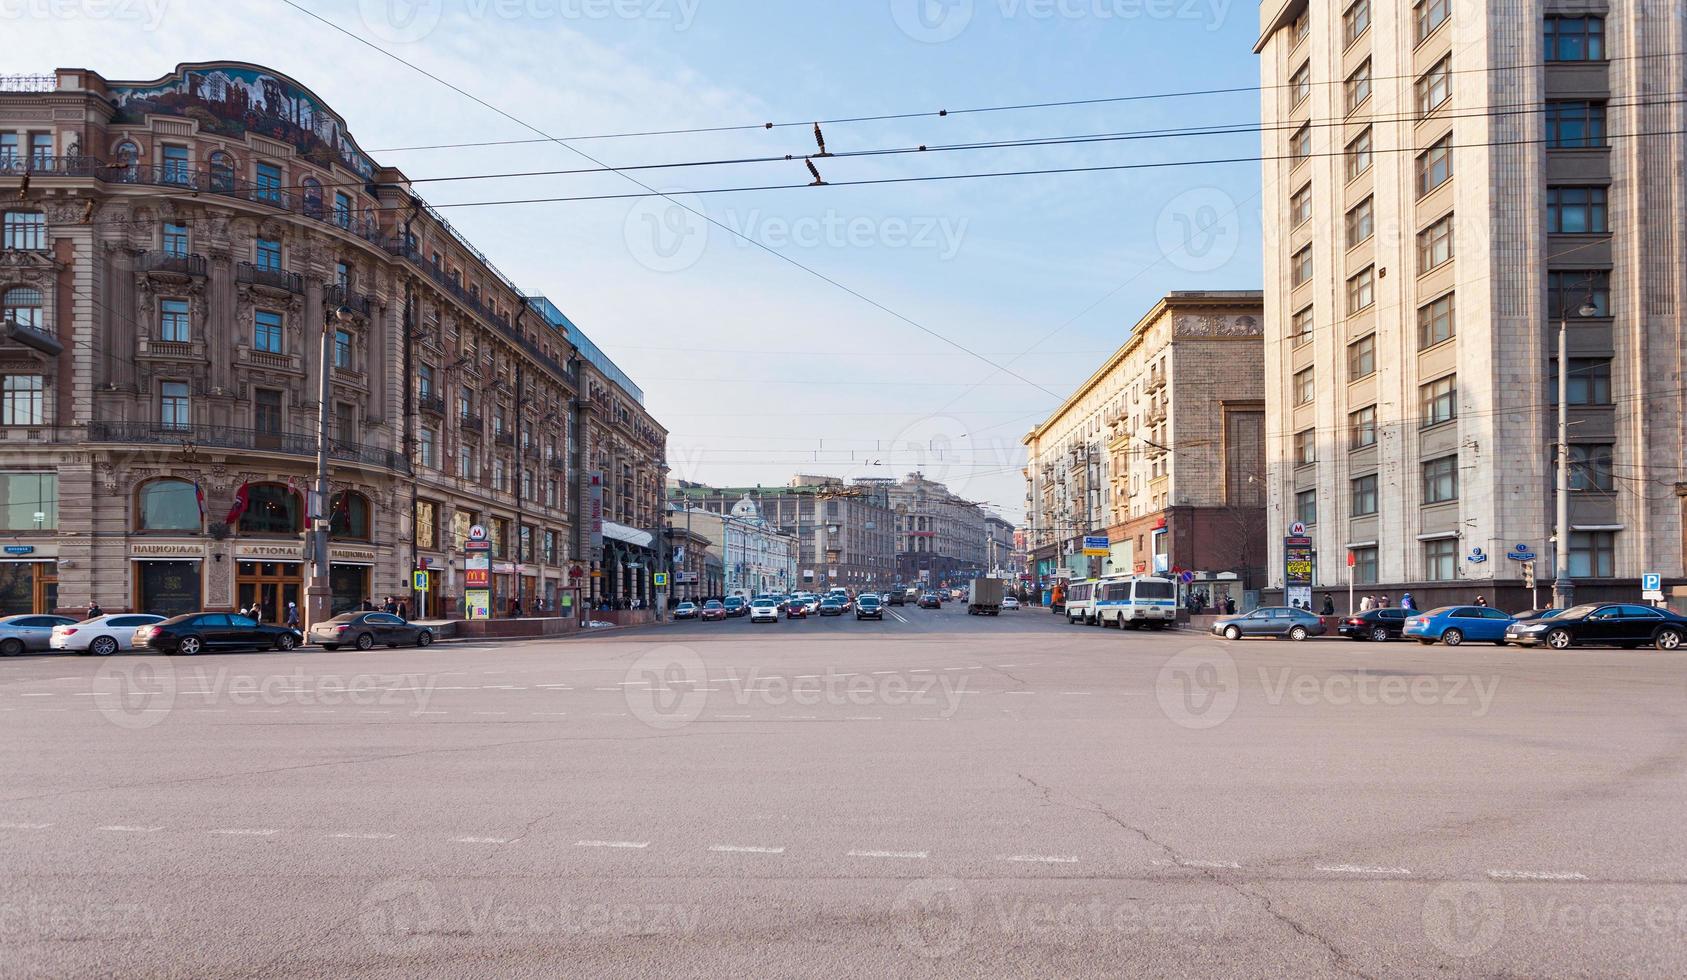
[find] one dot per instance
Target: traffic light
(1528, 575)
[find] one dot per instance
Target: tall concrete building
(844, 531)
(1446, 182)
(940, 536)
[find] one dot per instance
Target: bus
(1080, 600)
(1136, 601)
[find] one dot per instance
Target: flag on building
(242, 500)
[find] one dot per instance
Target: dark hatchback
(1610, 624)
(210, 632)
(1376, 625)
(365, 629)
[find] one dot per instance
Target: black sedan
(930, 600)
(831, 606)
(365, 629)
(1609, 624)
(1374, 624)
(202, 632)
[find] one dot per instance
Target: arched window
(271, 508)
(350, 518)
(168, 505)
(222, 172)
(313, 198)
(22, 304)
(126, 158)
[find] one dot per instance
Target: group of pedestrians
(1367, 603)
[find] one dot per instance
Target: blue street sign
(1477, 556)
(20, 549)
(1187, 578)
(1521, 552)
(1651, 582)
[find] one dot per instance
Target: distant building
(940, 536)
(844, 531)
(755, 556)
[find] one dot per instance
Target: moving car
(1273, 621)
(764, 611)
(201, 632)
(27, 632)
(685, 610)
(713, 609)
(830, 606)
(869, 607)
(930, 601)
(1376, 625)
(1010, 603)
(897, 598)
(736, 606)
(1614, 624)
(1453, 625)
(102, 636)
(796, 609)
(365, 629)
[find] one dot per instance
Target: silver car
(28, 632)
(1273, 621)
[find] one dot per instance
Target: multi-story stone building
(1000, 559)
(1161, 450)
(189, 245)
(940, 536)
(756, 556)
(1447, 183)
(844, 531)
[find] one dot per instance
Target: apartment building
(1447, 184)
(940, 536)
(843, 530)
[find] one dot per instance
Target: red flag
(199, 498)
(241, 501)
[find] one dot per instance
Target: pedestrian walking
(1407, 602)
(1230, 605)
(1383, 603)
(1365, 604)
(292, 615)
(391, 607)
(95, 610)
(1329, 605)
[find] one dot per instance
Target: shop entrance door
(272, 585)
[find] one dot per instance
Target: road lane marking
(24, 826)
(126, 829)
(909, 855)
(39, 694)
(1504, 875)
(865, 718)
(245, 832)
(1360, 869)
(364, 836)
(737, 849)
(612, 843)
(480, 840)
(732, 717)
(1041, 859)
(1209, 865)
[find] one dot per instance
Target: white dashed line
(245, 832)
(1210, 865)
(24, 826)
(735, 849)
(1360, 869)
(480, 840)
(732, 717)
(612, 843)
(364, 836)
(1504, 875)
(125, 829)
(38, 694)
(909, 855)
(1019, 692)
(865, 718)
(1041, 859)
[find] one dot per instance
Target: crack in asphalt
(1339, 958)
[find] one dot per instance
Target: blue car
(1453, 625)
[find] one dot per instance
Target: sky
(852, 331)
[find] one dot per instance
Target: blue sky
(759, 368)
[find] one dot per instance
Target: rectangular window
(1435, 165)
(269, 183)
(1589, 384)
(1435, 245)
(427, 524)
(465, 463)
(1435, 87)
(424, 446)
(176, 167)
(424, 381)
(500, 538)
(526, 544)
(1306, 387)
(1567, 292)
(1357, 159)
(175, 411)
(1358, 86)
(1590, 467)
(1300, 206)
(1365, 496)
(175, 240)
(266, 333)
(1361, 290)
(1300, 29)
(266, 411)
(1300, 84)
(1441, 560)
(342, 275)
(1306, 447)
(342, 209)
(1574, 39)
(268, 253)
(29, 501)
(1362, 357)
(8, 149)
(1361, 222)
(174, 322)
(1355, 22)
(1430, 15)
(498, 475)
(1577, 211)
(1300, 144)
(41, 151)
(1306, 507)
(1300, 271)
(1435, 322)
(342, 350)
(1593, 554)
(24, 400)
(25, 231)
(1440, 400)
(1365, 566)
(1301, 326)
(1441, 480)
(1575, 124)
(345, 423)
(550, 547)
(1362, 427)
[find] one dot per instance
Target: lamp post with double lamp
(1563, 589)
(319, 596)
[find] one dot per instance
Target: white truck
(984, 597)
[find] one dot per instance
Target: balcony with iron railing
(471, 423)
(505, 439)
(160, 264)
(431, 404)
(233, 438)
(277, 279)
(335, 296)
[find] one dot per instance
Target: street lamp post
(319, 596)
(1563, 589)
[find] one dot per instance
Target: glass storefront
(28, 587)
(168, 588)
(350, 584)
(270, 584)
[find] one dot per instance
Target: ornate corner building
(174, 252)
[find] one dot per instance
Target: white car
(764, 611)
(102, 635)
(1009, 602)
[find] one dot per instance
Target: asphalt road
(934, 795)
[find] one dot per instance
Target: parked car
(28, 632)
(931, 600)
(1010, 603)
(365, 629)
(830, 606)
(1453, 625)
(764, 611)
(736, 606)
(1609, 624)
(1273, 621)
(201, 632)
(1534, 614)
(101, 636)
(685, 610)
(1376, 625)
(869, 607)
(713, 609)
